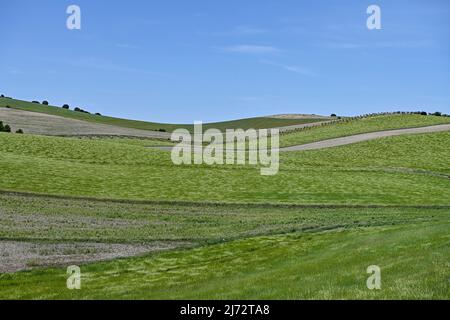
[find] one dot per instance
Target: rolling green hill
(255, 123)
(361, 125)
(396, 170)
(220, 232)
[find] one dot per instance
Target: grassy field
(398, 170)
(357, 126)
(327, 265)
(255, 123)
(143, 142)
(226, 231)
(54, 220)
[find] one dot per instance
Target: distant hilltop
(298, 116)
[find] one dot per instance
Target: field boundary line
(218, 204)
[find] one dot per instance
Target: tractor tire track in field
(200, 204)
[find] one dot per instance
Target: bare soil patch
(18, 256)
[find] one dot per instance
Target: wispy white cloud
(291, 68)
(379, 44)
(253, 49)
(300, 70)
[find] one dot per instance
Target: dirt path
(352, 139)
(364, 137)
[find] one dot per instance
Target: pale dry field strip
(44, 124)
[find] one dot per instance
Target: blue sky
(180, 61)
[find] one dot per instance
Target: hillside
(51, 125)
(211, 232)
(353, 126)
(256, 123)
(396, 170)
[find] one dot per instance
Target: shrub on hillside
(80, 110)
(333, 115)
(2, 96)
(98, 114)
(7, 128)
(66, 106)
(437, 114)
(45, 102)
(162, 130)
(35, 102)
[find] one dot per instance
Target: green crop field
(143, 142)
(241, 151)
(324, 265)
(397, 170)
(226, 232)
(58, 219)
(255, 123)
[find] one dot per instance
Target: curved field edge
(397, 170)
(350, 127)
(326, 265)
(255, 123)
